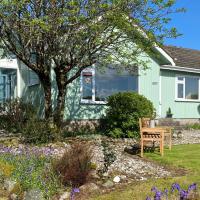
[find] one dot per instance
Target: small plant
(169, 113)
(195, 126)
(15, 113)
(109, 157)
(123, 113)
(75, 165)
(38, 132)
(6, 169)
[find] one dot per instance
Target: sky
(187, 24)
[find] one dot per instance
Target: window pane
(111, 82)
(33, 78)
(87, 85)
(191, 88)
(180, 78)
(180, 90)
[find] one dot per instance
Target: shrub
(123, 113)
(75, 166)
(195, 126)
(38, 132)
(14, 113)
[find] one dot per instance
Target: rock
(123, 177)
(65, 196)
(89, 187)
(116, 179)
(105, 174)
(9, 185)
(95, 175)
(143, 178)
(34, 194)
(179, 135)
(108, 184)
(13, 197)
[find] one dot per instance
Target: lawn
(181, 156)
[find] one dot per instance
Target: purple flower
(192, 187)
(176, 186)
(73, 191)
(183, 194)
(148, 198)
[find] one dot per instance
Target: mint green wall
(34, 93)
(74, 109)
(179, 109)
(149, 83)
(148, 86)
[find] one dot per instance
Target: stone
(108, 184)
(143, 178)
(9, 184)
(123, 177)
(105, 174)
(34, 194)
(65, 196)
(13, 197)
(89, 187)
(116, 179)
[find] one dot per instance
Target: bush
(14, 113)
(123, 113)
(75, 166)
(38, 132)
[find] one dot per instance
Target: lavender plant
(183, 194)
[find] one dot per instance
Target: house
(171, 80)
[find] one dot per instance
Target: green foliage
(38, 132)
(32, 172)
(75, 166)
(14, 114)
(109, 157)
(18, 116)
(103, 31)
(123, 113)
(195, 126)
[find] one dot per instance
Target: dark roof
(184, 57)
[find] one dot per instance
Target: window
(187, 88)
(32, 78)
(98, 86)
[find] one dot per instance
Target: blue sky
(188, 24)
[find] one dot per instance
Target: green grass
(182, 156)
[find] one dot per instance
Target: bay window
(187, 88)
(97, 86)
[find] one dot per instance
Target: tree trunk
(46, 83)
(60, 103)
(60, 108)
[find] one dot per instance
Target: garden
(39, 160)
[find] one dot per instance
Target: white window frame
(183, 82)
(88, 101)
(92, 101)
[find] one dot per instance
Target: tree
(68, 36)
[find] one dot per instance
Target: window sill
(84, 101)
(30, 85)
(187, 100)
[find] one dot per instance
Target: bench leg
(142, 148)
